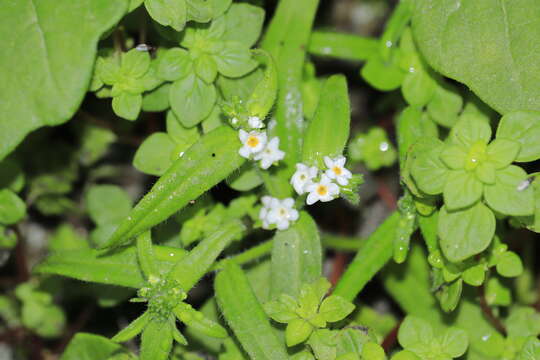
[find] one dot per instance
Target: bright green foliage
(308, 311)
(344, 46)
(417, 336)
(12, 208)
(86, 346)
(373, 149)
(495, 62)
(38, 312)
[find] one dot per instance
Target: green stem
(247, 256)
(342, 243)
(342, 46)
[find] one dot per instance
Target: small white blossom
(270, 154)
(253, 141)
(277, 212)
(336, 170)
(302, 177)
(255, 123)
(324, 190)
(234, 121)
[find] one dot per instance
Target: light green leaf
(462, 189)
(485, 172)
(523, 127)
(445, 104)
(155, 155)
(58, 51)
(415, 333)
(199, 10)
(206, 68)
(470, 130)
(454, 342)
(412, 125)
(197, 321)
(475, 275)
(279, 312)
(405, 355)
(297, 331)
(506, 196)
(157, 100)
(192, 99)
(418, 88)
(502, 152)
(496, 61)
(133, 329)
(382, 75)
(243, 23)
(171, 13)
(86, 346)
(246, 179)
(127, 106)
(531, 350)
(335, 308)
(509, 264)
(220, 6)
(342, 46)
(497, 292)
(234, 60)
(183, 137)
(11, 176)
(12, 208)
(203, 165)
(523, 322)
(156, 340)
(427, 169)
(245, 315)
(107, 203)
(328, 132)
(465, 232)
(135, 63)
(454, 156)
(263, 97)
(174, 64)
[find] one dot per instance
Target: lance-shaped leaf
(202, 166)
(296, 257)
(328, 132)
(264, 95)
(245, 315)
(198, 322)
(342, 46)
(133, 329)
(46, 76)
(192, 267)
(157, 340)
(115, 268)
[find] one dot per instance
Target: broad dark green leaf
(203, 165)
(497, 60)
(296, 257)
(467, 232)
(245, 315)
(46, 76)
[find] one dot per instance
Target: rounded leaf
(297, 331)
(192, 100)
(523, 127)
(507, 195)
(335, 308)
(462, 189)
(12, 208)
(454, 342)
(509, 264)
(153, 157)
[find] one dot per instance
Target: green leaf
(523, 322)
(296, 257)
(206, 68)
(496, 61)
(509, 264)
(156, 340)
(280, 312)
(199, 10)
(418, 88)
(485, 172)
(502, 152)
(523, 127)
(342, 46)
(196, 320)
(155, 155)
(498, 293)
(245, 315)
(58, 51)
(135, 63)
(11, 176)
(405, 355)
(506, 196)
(382, 75)
(297, 331)
(171, 13)
(371, 257)
(454, 342)
(454, 156)
(203, 165)
(462, 189)
(133, 329)
(427, 169)
(243, 23)
(157, 100)
(234, 60)
(183, 137)
(95, 266)
(12, 208)
(531, 350)
(415, 333)
(445, 104)
(465, 232)
(335, 308)
(263, 97)
(475, 275)
(107, 203)
(174, 64)
(328, 132)
(86, 346)
(220, 6)
(470, 130)
(413, 124)
(192, 99)
(127, 106)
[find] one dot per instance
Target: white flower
(302, 177)
(255, 123)
(234, 121)
(324, 190)
(253, 141)
(337, 171)
(277, 212)
(270, 154)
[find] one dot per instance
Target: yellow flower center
(252, 141)
(337, 170)
(322, 190)
(282, 212)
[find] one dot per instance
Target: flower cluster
(256, 145)
(326, 187)
(277, 212)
